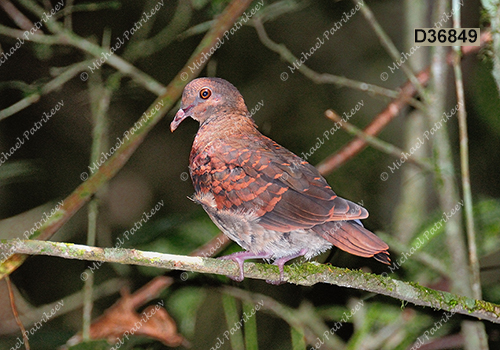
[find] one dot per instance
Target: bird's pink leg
(240, 258)
(282, 261)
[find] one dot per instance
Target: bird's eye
(205, 93)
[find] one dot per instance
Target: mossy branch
(306, 274)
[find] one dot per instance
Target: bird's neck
(222, 128)
(225, 126)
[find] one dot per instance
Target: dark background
(48, 166)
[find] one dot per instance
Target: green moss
(449, 299)
(80, 252)
(267, 269)
(57, 215)
(481, 304)
(311, 269)
(417, 286)
(383, 282)
(84, 194)
(432, 296)
(469, 303)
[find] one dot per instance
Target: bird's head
(206, 98)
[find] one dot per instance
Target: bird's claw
(240, 258)
(240, 264)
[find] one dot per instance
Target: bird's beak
(181, 114)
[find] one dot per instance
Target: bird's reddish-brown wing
(253, 174)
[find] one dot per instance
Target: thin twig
(36, 38)
(89, 282)
(56, 83)
(67, 12)
(70, 9)
(16, 315)
(375, 142)
(100, 99)
(423, 257)
(146, 47)
(17, 16)
(268, 13)
(391, 48)
(306, 274)
(319, 78)
(66, 37)
(474, 332)
(464, 163)
(445, 184)
(375, 127)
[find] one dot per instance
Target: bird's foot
(281, 262)
(240, 258)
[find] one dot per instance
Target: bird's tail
(355, 239)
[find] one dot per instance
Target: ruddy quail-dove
(274, 204)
